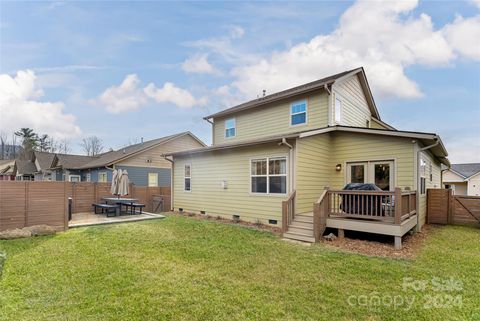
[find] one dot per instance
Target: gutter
(437, 141)
(291, 162)
(171, 180)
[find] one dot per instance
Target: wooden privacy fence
(445, 208)
(24, 203)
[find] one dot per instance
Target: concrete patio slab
(90, 218)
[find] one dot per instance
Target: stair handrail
(320, 213)
(288, 210)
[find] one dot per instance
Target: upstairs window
(230, 129)
(338, 110)
(298, 113)
(187, 178)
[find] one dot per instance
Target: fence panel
(445, 208)
(31, 203)
(437, 206)
(466, 209)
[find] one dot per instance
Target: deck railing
(390, 207)
(320, 210)
(288, 211)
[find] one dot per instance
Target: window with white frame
(152, 179)
(102, 177)
(269, 175)
(338, 110)
(187, 186)
(88, 177)
(74, 178)
(230, 127)
(298, 113)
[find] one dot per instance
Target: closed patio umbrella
(114, 186)
(123, 184)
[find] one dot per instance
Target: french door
(380, 173)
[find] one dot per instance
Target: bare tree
(92, 146)
(62, 146)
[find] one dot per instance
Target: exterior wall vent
(236, 218)
(180, 210)
(202, 212)
(274, 222)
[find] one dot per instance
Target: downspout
(284, 142)
(171, 180)
(329, 105)
(418, 228)
(213, 130)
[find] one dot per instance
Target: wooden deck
(388, 213)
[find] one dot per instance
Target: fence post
(26, 204)
(398, 205)
(450, 200)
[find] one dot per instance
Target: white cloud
(19, 107)
(236, 32)
(463, 35)
(125, 97)
(172, 94)
(128, 96)
(384, 37)
(198, 64)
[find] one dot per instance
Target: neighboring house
(143, 162)
(24, 170)
(463, 179)
(7, 168)
(292, 144)
(43, 162)
(65, 167)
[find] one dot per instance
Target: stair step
(301, 230)
(299, 237)
(303, 218)
(301, 224)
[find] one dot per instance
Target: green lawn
(186, 269)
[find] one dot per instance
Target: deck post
(341, 233)
(398, 205)
(398, 242)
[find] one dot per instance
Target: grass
(185, 269)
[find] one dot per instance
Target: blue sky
(125, 70)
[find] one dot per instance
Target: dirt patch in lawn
(379, 245)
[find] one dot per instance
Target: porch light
(338, 168)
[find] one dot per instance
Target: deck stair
(301, 228)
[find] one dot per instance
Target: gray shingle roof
(25, 167)
(109, 158)
(283, 94)
(466, 170)
(44, 159)
(72, 161)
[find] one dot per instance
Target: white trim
(370, 170)
(225, 128)
(102, 173)
(306, 112)
(268, 158)
(77, 176)
(338, 112)
(189, 177)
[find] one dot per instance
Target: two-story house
(272, 159)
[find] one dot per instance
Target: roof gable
(320, 84)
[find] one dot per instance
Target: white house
(463, 179)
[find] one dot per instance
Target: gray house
(144, 161)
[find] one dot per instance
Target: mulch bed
(382, 246)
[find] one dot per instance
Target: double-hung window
(102, 177)
(187, 181)
(298, 113)
(269, 175)
(230, 127)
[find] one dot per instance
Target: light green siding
(352, 147)
(273, 119)
(355, 110)
(436, 182)
(208, 170)
(312, 170)
(375, 124)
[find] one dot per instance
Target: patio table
(124, 201)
